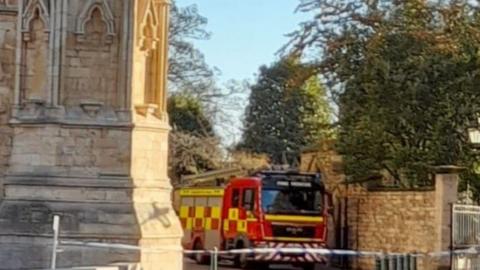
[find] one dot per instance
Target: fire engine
(272, 209)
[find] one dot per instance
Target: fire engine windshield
(292, 201)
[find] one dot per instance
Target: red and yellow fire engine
(268, 210)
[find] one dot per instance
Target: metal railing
(465, 235)
(466, 262)
(396, 262)
(465, 225)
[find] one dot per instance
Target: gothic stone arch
(87, 14)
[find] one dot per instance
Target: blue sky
(245, 33)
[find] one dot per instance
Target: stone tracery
(148, 29)
(150, 32)
(87, 14)
(36, 39)
(36, 9)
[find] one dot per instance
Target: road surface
(191, 265)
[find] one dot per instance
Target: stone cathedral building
(83, 132)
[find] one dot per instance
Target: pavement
(191, 265)
(225, 265)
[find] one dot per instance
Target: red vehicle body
(268, 210)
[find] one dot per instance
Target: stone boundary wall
(405, 221)
(392, 221)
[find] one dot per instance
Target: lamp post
(474, 139)
(474, 136)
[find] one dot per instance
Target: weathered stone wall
(63, 151)
(7, 80)
(79, 173)
(392, 221)
(93, 54)
(160, 226)
(404, 221)
(84, 132)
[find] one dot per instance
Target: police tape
(321, 251)
(299, 251)
(70, 243)
(64, 244)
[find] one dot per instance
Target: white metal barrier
(56, 232)
(465, 234)
(465, 225)
(59, 245)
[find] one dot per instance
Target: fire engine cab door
(247, 217)
(240, 218)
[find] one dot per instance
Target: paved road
(191, 265)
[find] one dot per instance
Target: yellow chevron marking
(200, 192)
(215, 212)
(189, 224)
(293, 218)
(297, 239)
(184, 211)
(233, 213)
(242, 226)
(199, 212)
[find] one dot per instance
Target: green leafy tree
(404, 74)
(187, 66)
(190, 75)
(187, 115)
(188, 71)
(194, 147)
(189, 154)
(287, 111)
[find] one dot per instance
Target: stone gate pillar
(446, 194)
(83, 132)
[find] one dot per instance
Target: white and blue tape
(64, 244)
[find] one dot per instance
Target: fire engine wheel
(309, 266)
(242, 260)
(200, 258)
